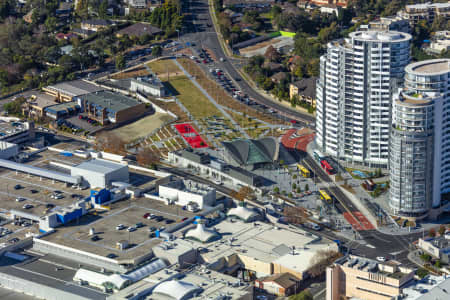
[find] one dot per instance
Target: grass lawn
(193, 99)
(161, 67)
(141, 127)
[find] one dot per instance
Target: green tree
(120, 62)
(306, 187)
(303, 295)
(157, 51)
(50, 24)
(276, 189)
(103, 9)
(422, 272)
(438, 264)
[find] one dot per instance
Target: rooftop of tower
(381, 36)
(429, 67)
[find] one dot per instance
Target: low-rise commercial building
(16, 132)
(62, 110)
(69, 90)
(437, 247)
(150, 85)
(108, 107)
(361, 278)
(100, 173)
(35, 106)
(282, 285)
(184, 192)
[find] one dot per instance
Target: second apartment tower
(358, 76)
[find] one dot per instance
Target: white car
(120, 227)
(20, 199)
(381, 258)
(131, 229)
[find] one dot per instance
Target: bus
(304, 171)
(318, 155)
(327, 167)
(325, 197)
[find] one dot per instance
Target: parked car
(17, 187)
(111, 255)
(131, 229)
(27, 206)
(145, 216)
(20, 199)
(120, 227)
(34, 191)
(95, 238)
(139, 225)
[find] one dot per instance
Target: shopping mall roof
(243, 213)
(248, 152)
(100, 166)
(176, 289)
(201, 234)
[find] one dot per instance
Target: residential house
(95, 24)
(282, 284)
(440, 42)
(341, 3)
(305, 89)
(278, 77)
(139, 29)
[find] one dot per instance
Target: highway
(199, 30)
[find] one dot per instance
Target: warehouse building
(108, 107)
(35, 106)
(68, 91)
(100, 173)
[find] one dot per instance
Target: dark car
(17, 187)
(95, 238)
(111, 255)
(49, 205)
(159, 218)
(34, 191)
(169, 221)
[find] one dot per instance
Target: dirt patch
(140, 71)
(142, 127)
(260, 45)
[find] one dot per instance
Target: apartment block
(419, 147)
(425, 11)
(360, 278)
(354, 92)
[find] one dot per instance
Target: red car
(146, 215)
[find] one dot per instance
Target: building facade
(419, 147)
(353, 97)
(425, 11)
(361, 278)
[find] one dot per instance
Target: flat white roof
(100, 166)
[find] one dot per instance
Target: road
(199, 30)
(381, 244)
(376, 243)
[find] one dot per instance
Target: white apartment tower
(420, 140)
(354, 92)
